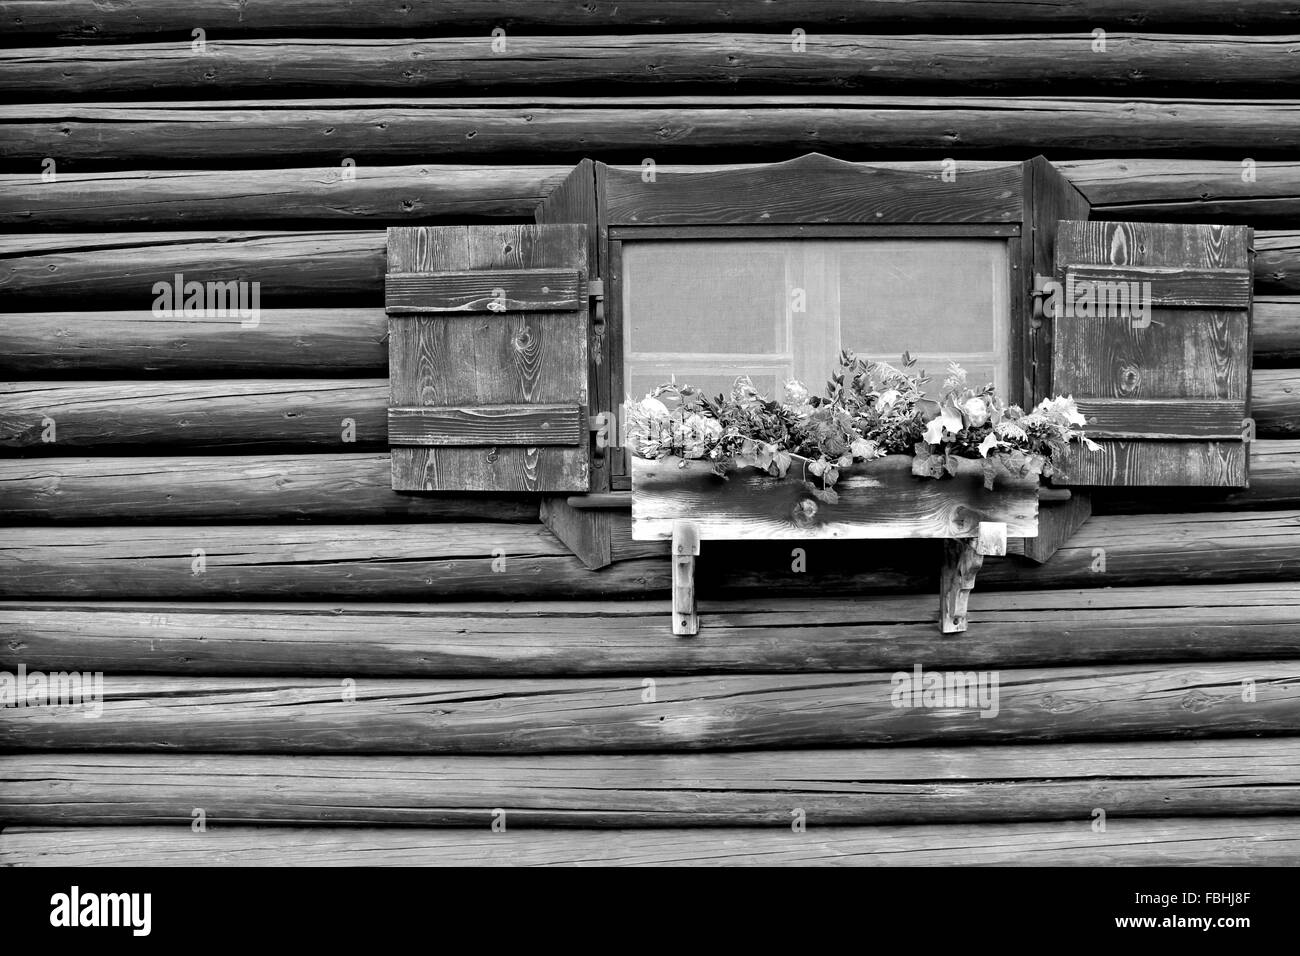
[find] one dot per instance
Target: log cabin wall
(214, 530)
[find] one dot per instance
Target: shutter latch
(596, 292)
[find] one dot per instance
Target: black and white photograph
(654, 433)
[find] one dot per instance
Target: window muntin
(710, 310)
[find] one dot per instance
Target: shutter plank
(514, 290)
(1170, 419)
(487, 425)
(1171, 286)
(459, 360)
(1166, 400)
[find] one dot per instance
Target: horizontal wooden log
(37, 270)
(327, 340)
(504, 290)
(1275, 401)
(307, 341)
(333, 194)
(850, 126)
(338, 487)
(37, 273)
(1190, 842)
(1275, 328)
(1239, 777)
(226, 488)
(406, 561)
(764, 634)
(1274, 483)
(611, 715)
(1189, 190)
(1277, 263)
(303, 561)
(1169, 190)
(1041, 63)
(1206, 842)
(91, 20)
(488, 425)
(51, 416)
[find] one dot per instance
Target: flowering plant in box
(870, 409)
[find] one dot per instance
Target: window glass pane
(708, 311)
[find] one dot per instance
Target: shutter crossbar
(491, 291)
(485, 425)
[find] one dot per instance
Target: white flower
(976, 411)
(989, 443)
(699, 434)
(949, 421)
(796, 392)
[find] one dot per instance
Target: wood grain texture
(38, 270)
(587, 533)
(319, 132)
(239, 412)
(609, 714)
(1209, 841)
(1043, 63)
(47, 272)
(1275, 401)
(488, 425)
(91, 20)
(1148, 418)
(307, 341)
(327, 339)
(498, 358)
(1173, 286)
(879, 499)
(413, 562)
(812, 189)
(412, 559)
(766, 633)
(1198, 353)
(230, 488)
(335, 194)
(1189, 190)
(499, 290)
(1240, 777)
(1274, 483)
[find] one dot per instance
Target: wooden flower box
(683, 501)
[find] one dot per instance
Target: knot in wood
(523, 340)
(804, 513)
(492, 454)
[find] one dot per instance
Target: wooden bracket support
(962, 559)
(686, 547)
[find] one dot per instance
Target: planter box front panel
(879, 499)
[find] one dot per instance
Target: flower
(1062, 411)
(796, 392)
(699, 434)
(976, 411)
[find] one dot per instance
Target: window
(708, 311)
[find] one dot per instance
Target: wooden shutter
(487, 358)
(1166, 401)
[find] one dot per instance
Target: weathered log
(88, 19)
(334, 194)
(326, 340)
(1275, 327)
(1040, 63)
(557, 638)
(1277, 263)
(1274, 483)
(1156, 189)
(38, 272)
(1275, 401)
(413, 560)
(342, 414)
(612, 715)
(1189, 190)
(319, 341)
(850, 126)
(1197, 841)
(265, 488)
(1239, 777)
(266, 411)
(416, 562)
